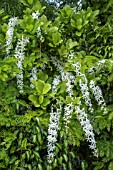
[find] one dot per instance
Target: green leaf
(83, 165)
(45, 102)
(30, 2)
(49, 167)
(22, 23)
(73, 23)
(34, 138)
(40, 86)
(110, 167)
(65, 157)
(68, 99)
(56, 37)
(55, 163)
(29, 28)
(1, 11)
(62, 51)
(24, 2)
(2, 38)
(41, 98)
(5, 17)
(34, 99)
(40, 167)
(79, 23)
(13, 149)
(13, 159)
(68, 10)
(24, 143)
(95, 13)
(46, 88)
(76, 100)
(78, 33)
(70, 44)
(60, 160)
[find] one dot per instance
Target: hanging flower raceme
(55, 83)
(87, 128)
(68, 110)
(83, 85)
(12, 23)
(99, 65)
(52, 130)
(19, 54)
(69, 78)
(36, 15)
(98, 95)
(58, 64)
(33, 76)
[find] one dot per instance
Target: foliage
(12, 7)
(25, 117)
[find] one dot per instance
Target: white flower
(98, 95)
(85, 94)
(83, 86)
(52, 130)
(12, 23)
(35, 15)
(33, 76)
(68, 110)
(69, 78)
(87, 128)
(79, 3)
(100, 64)
(19, 54)
(55, 83)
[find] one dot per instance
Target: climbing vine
(55, 90)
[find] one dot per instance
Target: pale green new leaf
(46, 88)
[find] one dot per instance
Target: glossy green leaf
(56, 37)
(40, 167)
(46, 101)
(30, 1)
(34, 99)
(70, 44)
(40, 86)
(110, 167)
(46, 88)
(41, 98)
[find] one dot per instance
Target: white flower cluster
(87, 128)
(68, 110)
(35, 15)
(98, 65)
(70, 79)
(19, 54)
(55, 83)
(9, 33)
(58, 64)
(98, 95)
(79, 3)
(83, 86)
(85, 94)
(33, 76)
(71, 56)
(39, 34)
(52, 130)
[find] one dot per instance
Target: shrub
(56, 90)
